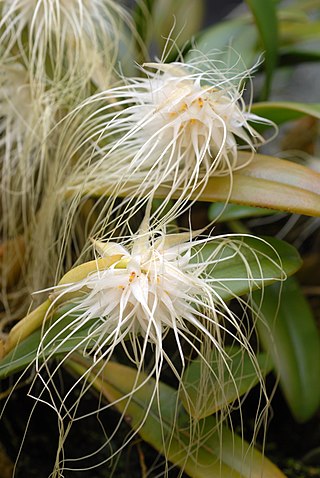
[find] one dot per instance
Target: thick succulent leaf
(267, 182)
(221, 212)
(230, 377)
(289, 333)
(256, 263)
(265, 17)
(282, 111)
(162, 422)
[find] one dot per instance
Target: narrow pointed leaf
(163, 423)
(267, 182)
(289, 332)
(266, 20)
(281, 111)
(221, 212)
(225, 383)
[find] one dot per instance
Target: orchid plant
(170, 319)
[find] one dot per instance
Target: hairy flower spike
(175, 127)
(157, 283)
(133, 295)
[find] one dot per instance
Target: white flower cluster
(154, 286)
(156, 283)
(69, 40)
(169, 130)
(53, 53)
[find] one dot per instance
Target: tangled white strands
(53, 54)
(154, 284)
(28, 113)
(27, 116)
(173, 128)
(69, 40)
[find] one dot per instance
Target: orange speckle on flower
(200, 102)
(132, 276)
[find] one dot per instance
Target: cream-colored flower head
(175, 127)
(154, 283)
(136, 293)
(68, 40)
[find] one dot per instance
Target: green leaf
(295, 32)
(302, 52)
(257, 262)
(281, 111)
(289, 332)
(229, 378)
(233, 39)
(162, 422)
(221, 212)
(178, 19)
(267, 182)
(267, 24)
(142, 15)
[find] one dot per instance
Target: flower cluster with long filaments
(70, 157)
(151, 284)
(155, 283)
(173, 128)
(27, 116)
(69, 40)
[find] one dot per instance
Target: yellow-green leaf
(163, 423)
(293, 32)
(267, 182)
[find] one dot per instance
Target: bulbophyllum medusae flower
(154, 283)
(175, 126)
(69, 40)
(137, 292)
